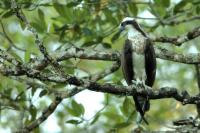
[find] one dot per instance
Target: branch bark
(164, 92)
(179, 39)
(161, 53)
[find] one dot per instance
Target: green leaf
(22, 24)
(72, 4)
(26, 4)
(110, 17)
(122, 125)
(115, 37)
(71, 111)
(33, 90)
(64, 11)
(27, 56)
(166, 3)
(59, 85)
(59, 8)
(41, 16)
(180, 6)
(7, 14)
(198, 9)
(39, 27)
(133, 9)
(127, 107)
(42, 93)
(90, 43)
(95, 119)
(78, 108)
(99, 39)
(106, 45)
(163, 3)
(75, 122)
(33, 112)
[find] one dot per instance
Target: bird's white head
(127, 19)
(126, 22)
(131, 25)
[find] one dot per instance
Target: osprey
(138, 61)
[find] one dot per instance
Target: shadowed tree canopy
(52, 51)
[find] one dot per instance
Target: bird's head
(126, 23)
(131, 25)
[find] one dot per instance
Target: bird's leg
(140, 83)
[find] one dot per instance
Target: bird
(138, 62)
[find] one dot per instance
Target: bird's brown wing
(150, 63)
(127, 62)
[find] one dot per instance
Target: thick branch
(179, 39)
(161, 53)
(75, 52)
(164, 92)
(197, 66)
(166, 54)
(60, 96)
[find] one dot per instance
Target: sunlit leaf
(78, 108)
(27, 56)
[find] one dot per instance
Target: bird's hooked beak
(121, 28)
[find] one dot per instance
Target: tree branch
(161, 53)
(75, 52)
(197, 67)
(45, 114)
(164, 92)
(60, 96)
(179, 39)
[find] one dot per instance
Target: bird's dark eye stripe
(126, 23)
(129, 22)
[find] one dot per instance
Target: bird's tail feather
(142, 105)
